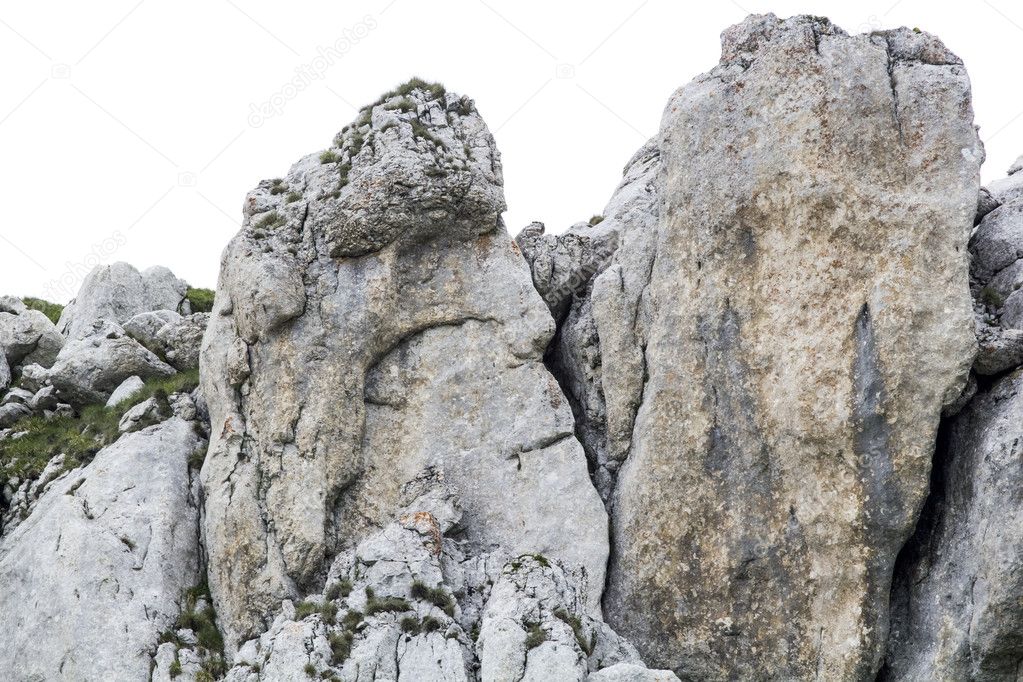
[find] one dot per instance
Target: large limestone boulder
(772, 344)
(118, 292)
(98, 569)
(90, 367)
(807, 317)
(373, 319)
(957, 601)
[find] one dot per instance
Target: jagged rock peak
(417, 160)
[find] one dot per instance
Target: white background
(127, 129)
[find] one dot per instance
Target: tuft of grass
(576, 624)
(421, 131)
(597, 219)
(51, 310)
(437, 596)
(304, 609)
(329, 156)
(292, 197)
(278, 187)
(340, 646)
(271, 220)
(175, 669)
(341, 588)
(310, 670)
(535, 636)
(991, 297)
(200, 300)
(404, 105)
(204, 624)
(352, 620)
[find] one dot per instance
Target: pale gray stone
(146, 413)
(162, 290)
(17, 395)
(43, 399)
(12, 304)
(96, 571)
(5, 373)
(630, 672)
(126, 390)
(29, 338)
(117, 293)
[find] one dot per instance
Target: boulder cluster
(760, 419)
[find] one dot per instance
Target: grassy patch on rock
(201, 300)
(51, 310)
(80, 437)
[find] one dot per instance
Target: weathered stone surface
(128, 388)
(804, 317)
(181, 341)
(118, 292)
(161, 290)
(92, 365)
(173, 337)
(29, 337)
(957, 600)
(97, 570)
(145, 326)
(376, 324)
(5, 373)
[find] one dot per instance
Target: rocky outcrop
(373, 319)
(996, 275)
(97, 570)
(416, 601)
(800, 315)
(117, 293)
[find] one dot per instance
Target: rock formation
(373, 320)
(800, 316)
(696, 432)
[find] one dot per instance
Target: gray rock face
(777, 338)
(92, 365)
(380, 275)
(97, 569)
(128, 388)
(807, 318)
(957, 602)
(118, 292)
